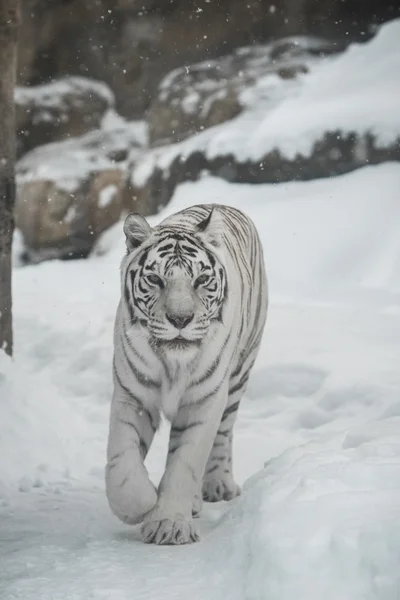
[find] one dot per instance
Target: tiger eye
(155, 280)
(201, 280)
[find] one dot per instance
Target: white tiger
(187, 332)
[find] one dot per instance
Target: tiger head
(174, 281)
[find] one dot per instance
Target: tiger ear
(136, 230)
(210, 230)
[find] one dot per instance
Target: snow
(18, 249)
(52, 95)
(107, 195)
(138, 129)
(366, 76)
(322, 413)
(356, 92)
(71, 162)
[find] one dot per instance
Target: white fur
(197, 387)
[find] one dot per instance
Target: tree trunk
(9, 21)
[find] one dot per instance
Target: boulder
(59, 110)
(58, 223)
(291, 128)
(195, 97)
(70, 192)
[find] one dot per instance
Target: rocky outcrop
(133, 44)
(59, 110)
(195, 97)
(334, 154)
(291, 128)
(70, 192)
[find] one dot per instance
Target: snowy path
(322, 520)
(60, 541)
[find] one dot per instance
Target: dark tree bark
(9, 22)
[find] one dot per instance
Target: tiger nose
(179, 321)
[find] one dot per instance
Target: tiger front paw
(170, 531)
(197, 505)
(130, 497)
(220, 487)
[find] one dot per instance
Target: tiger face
(175, 282)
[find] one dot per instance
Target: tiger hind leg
(218, 482)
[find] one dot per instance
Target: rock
(291, 129)
(57, 223)
(70, 192)
(132, 44)
(195, 97)
(59, 110)
(334, 154)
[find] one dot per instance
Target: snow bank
(321, 522)
(55, 392)
(42, 433)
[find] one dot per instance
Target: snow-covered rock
(70, 192)
(196, 97)
(341, 115)
(59, 110)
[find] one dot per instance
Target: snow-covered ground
(322, 413)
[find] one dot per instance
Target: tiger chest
(173, 390)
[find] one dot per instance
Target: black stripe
(127, 391)
(241, 383)
(210, 257)
(192, 472)
(239, 365)
(133, 349)
(144, 256)
(139, 405)
(178, 430)
(202, 226)
(213, 367)
(141, 377)
(175, 447)
(123, 482)
(166, 370)
(142, 444)
(212, 469)
(224, 432)
(116, 457)
(230, 410)
(165, 248)
(127, 296)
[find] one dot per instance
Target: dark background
(132, 44)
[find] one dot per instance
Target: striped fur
(187, 332)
